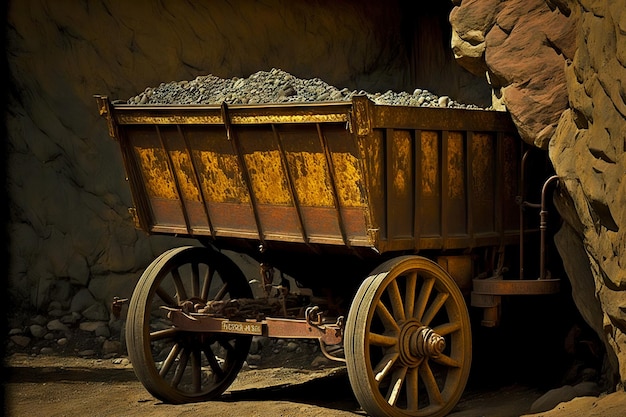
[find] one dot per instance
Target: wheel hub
(418, 342)
(425, 342)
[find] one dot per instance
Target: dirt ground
(71, 386)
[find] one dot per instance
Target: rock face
(559, 67)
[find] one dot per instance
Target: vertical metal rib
(417, 158)
(333, 184)
(170, 164)
(445, 203)
(232, 137)
(469, 192)
(499, 186)
(198, 183)
(388, 180)
(290, 183)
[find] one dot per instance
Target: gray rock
(37, 330)
(91, 326)
(565, 393)
(96, 311)
(57, 325)
(111, 346)
(319, 361)
(103, 331)
(552, 398)
(20, 340)
(81, 300)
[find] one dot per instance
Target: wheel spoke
(412, 392)
(213, 363)
(195, 280)
(226, 345)
(167, 299)
(396, 301)
(397, 379)
(447, 328)
(423, 297)
(206, 283)
(385, 364)
(447, 361)
(382, 340)
(434, 308)
(385, 316)
(411, 285)
(222, 292)
(181, 293)
(180, 368)
(196, 367)
(434, 395)
(162, 334)
(169, 361)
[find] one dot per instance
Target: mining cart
(374, 227)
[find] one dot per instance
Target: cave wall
(559, 67)
(69, 227)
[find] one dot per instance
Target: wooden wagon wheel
(408, 340)
(176, 366)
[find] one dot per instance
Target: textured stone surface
(522, 46)
(560, 69)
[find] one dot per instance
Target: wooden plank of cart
(389, 219)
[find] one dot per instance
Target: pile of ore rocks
(276, 86)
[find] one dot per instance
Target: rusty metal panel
(429, 188)
(400, 184)
(454, 199)
(349, 174)
(482, 150)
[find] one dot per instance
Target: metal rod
(543, 226)
(521, 215)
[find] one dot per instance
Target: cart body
(350, 174)
(402, 210)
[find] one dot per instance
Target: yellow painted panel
(456, 166)
(184, 173)
(349, 179)
(221, 177)
(268, 178)
(482, 165)
(401, 169)
(430, 163)
(310, 178)
(157, 176)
